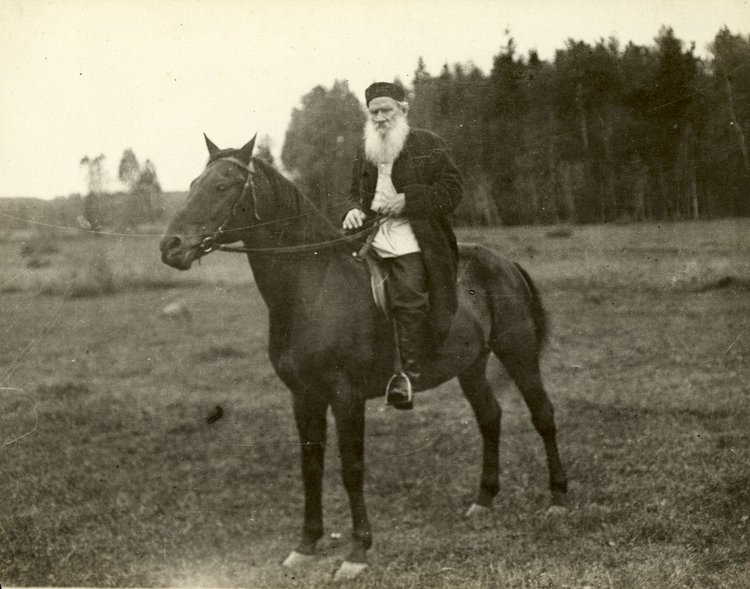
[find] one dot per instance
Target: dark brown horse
(330, 345)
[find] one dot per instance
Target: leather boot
(410, 335)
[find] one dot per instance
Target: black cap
(388, 89)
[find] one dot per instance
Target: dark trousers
(409, 302)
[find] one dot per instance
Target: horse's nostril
(170, 243)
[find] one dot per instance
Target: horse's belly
(465, 343)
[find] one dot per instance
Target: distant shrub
(38, 248)
(39, 242)
(559, 233)
(93, 279)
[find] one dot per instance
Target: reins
(209, 244)
(289, 249)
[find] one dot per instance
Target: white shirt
(395, 236)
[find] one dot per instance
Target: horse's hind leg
(487, 410)
(522, 364)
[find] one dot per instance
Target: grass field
(111, 475)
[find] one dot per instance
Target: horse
(333, 348)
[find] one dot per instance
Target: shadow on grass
(726, 282)
(215, 353)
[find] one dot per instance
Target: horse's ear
(212, 149)
(246, 153)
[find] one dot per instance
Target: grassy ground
(111, 474)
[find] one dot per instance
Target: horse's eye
(221, 187)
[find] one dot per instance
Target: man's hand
(354, 219)
(394, 206)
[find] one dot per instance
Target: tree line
(602, 133)
(140, 202)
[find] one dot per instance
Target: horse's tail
(538, 312)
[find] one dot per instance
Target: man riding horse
(326, 340)
(405, 181)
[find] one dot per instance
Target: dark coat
(431, 183)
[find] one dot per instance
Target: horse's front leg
(310, 416)
(349, 411)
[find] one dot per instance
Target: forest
(601, 133)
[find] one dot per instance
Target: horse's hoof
(476, 510)
(557, 511)
(350, 570)
(297, 560)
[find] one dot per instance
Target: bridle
(210, 243)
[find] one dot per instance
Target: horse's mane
(314, 222)
(286, 191)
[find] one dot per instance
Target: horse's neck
(285, 279)
(294, 220)
(286, 282)
(287, 276)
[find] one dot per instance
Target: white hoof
(557, 511)
(297, 560)
(476, 510)
(349, 570)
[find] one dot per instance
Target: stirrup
(409, 390)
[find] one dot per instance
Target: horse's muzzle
(176, 253)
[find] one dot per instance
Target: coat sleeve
(443, 189)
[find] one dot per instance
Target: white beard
(381, 149)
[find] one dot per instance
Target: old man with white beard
(405, 180)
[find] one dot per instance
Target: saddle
(378, 275)
(378, 278)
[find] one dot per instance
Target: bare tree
(96, 178)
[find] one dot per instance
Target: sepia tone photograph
(300, 294)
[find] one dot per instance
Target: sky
(84, 77)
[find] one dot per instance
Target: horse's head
(215, 204)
